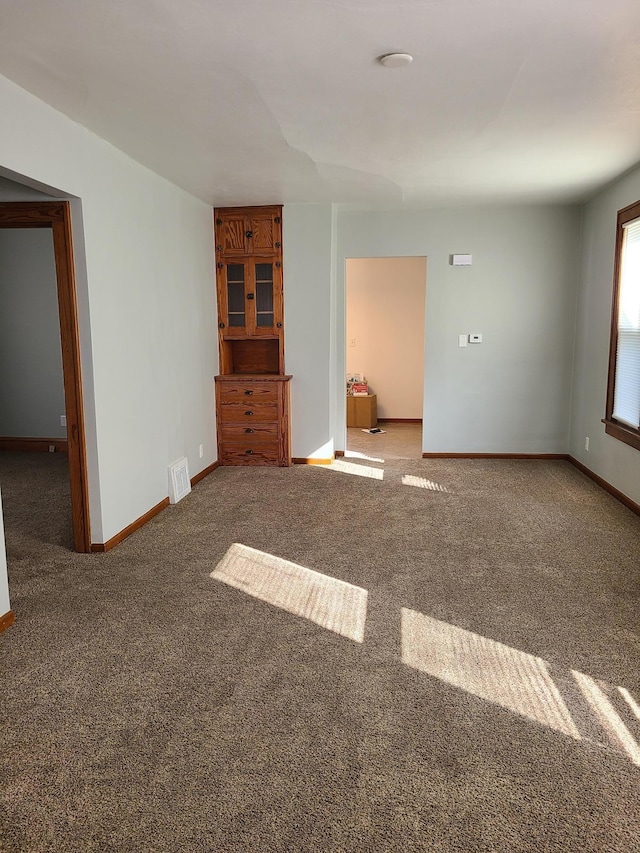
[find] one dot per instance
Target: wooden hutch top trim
(254, 377)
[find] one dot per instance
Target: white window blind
(626, 400)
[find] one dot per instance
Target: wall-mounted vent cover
(179, 482)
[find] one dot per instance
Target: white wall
(31, 384)
(307, 263)
(145, 271)
(385, 303)
(512, 392)
(616, 462)
(12, 191)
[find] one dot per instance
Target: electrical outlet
(201, 451)
(63, 420)
(586, 443)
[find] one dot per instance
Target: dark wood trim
(31, 214)
(629, 435)
(204, 473)
(400, 420)
(103, 547)
(626, 434)
(41, 445)
(72, 373)
(616, 493)
(613, 331)
(564, 456)
(339, 453)
(57, 216)
(235, 378)
(306, 460)
(7, 620)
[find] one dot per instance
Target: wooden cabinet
(253, 420)
(362, 411)
(252, 390)
(241, 231)
(250, 297)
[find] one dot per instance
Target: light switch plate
(461, 260)
(462, 340)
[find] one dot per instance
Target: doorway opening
(28, 220)
(385, 323)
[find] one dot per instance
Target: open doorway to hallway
(385, 322)
(41, 408)
(34, 467)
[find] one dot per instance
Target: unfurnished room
(320, 426)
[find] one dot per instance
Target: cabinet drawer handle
(278, 325)
(250, 296)
(248, 413)
(248, 392)
(249, 452)
(249, 234)
(248, 429)
(221, 325)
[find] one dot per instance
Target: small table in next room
(362, 411)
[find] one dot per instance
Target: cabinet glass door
(264, 295)
(236, 313)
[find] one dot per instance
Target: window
(623, 394)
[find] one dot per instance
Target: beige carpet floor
(409, 655)
(398, 441)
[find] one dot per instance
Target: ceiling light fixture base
(395, 60)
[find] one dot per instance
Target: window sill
(628, 435)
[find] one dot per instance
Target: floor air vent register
(179, 482)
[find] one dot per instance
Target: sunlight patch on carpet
(331, 603)
(631, 702)
(355, 454)
(422, 483)
(607, 716)
(490, 670)
(343, 467)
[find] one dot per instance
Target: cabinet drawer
(252, 442)
(263, 442)
(240, 455)
(229, 393)
(257, 432)
(249, 412)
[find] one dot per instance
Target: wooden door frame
(57, 216)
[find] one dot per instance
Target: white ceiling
(267, 101)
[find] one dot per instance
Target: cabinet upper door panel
(265, 233)
(231, 234)
(248, 231)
